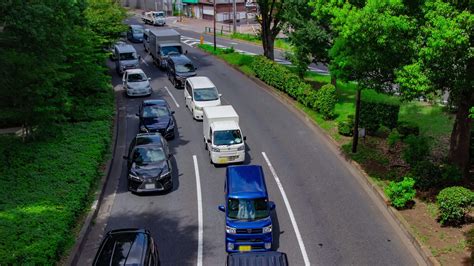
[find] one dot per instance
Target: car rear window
(123, 249)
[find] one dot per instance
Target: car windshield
(227, 137)
(147, 155)
(137, 31)
(247, 209)
(136, 77)
(186, 68)
(155, 111)
(208, 94)
(171, 49)
(159, 14)
(128, 56)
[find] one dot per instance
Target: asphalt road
(338, 219)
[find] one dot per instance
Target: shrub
(417, 149)
(401, 192)
(326, 101)
(228, 50)
(426, 174)
(393, 138)
(453, 204)
(383, 131)
(376, 110)
(345, 128)
(408, 128)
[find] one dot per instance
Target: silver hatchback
(136, 83)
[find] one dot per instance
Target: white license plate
(149, 186)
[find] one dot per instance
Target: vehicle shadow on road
(275, 230)
(175, 238)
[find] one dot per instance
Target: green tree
(105, 18)
(368, 47)
(445, 62)
(271, 21)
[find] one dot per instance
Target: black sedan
(148, 162)
(155, 116)
(179, 67)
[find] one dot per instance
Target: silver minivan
(200, 92)
(126, 57)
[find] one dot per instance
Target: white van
(222, 135)
(200, 92)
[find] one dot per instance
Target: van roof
(220, 111)
(246, 181)
(224, 125)
(200, 82)
(165, 32)
(125, 48)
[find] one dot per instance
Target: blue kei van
(247, 210)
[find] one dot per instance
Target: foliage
(376, 111)
(444, 62)
(326, 101)
(401, 192)
(393, 138)
(453, 204)
(270, 20)
(406, 128)
(105, 19)
(417, 149)
(428, 175)
(48, 183)
(383, 131)
(346, 127)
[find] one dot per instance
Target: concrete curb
(73, 257)
(397, 217)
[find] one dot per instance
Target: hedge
(376, 111)
(453, 204)
(45, 187)
(281, 78)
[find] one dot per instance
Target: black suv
(148, 162)
(155, 116)
(127, 247)
(179, 67)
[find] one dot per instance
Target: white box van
(222, 135)
(200, 92)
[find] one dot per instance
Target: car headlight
(198, 108)
(214, 149)
(164, 174)
(143, 129)
(267, 229)
(230, 230)
(134, 177)
(241, 148)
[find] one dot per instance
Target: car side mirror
(186, 52)
(188, 97)
(149, 78)
(170, 155)
(271, 205)
(245, 137)
(172, 112)
(208, 140)
(139, 57)
(123, 80)
(125, 157)
(137, 114)
(220, 94)
(221, 208)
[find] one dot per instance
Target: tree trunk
(460, 136)
(334, 81)
(267, 38)
(355, 138)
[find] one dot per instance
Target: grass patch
(45, 188)
(241, 61)
(279, 43)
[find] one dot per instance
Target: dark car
(179, 67)
(155, 116)
(270, 258)
(148, 162)
(135, 33)
(127, 247)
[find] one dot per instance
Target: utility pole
(215, 14)
(234, 16)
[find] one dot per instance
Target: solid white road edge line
(172, 97)
(199, 202)
(290, 211)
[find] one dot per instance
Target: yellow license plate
(223, 160)
(245, 248)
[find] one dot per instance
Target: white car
(136, 83)
(200, 92)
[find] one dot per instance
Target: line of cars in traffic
(247, 207)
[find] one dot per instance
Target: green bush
(401, 192)
(393, 138)
(383, 131)
(408, 128)
(228, 50)
(377, 110)
(46, 185)
(453, 204)
(417, 149)
(326, 101)
(346, 127)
